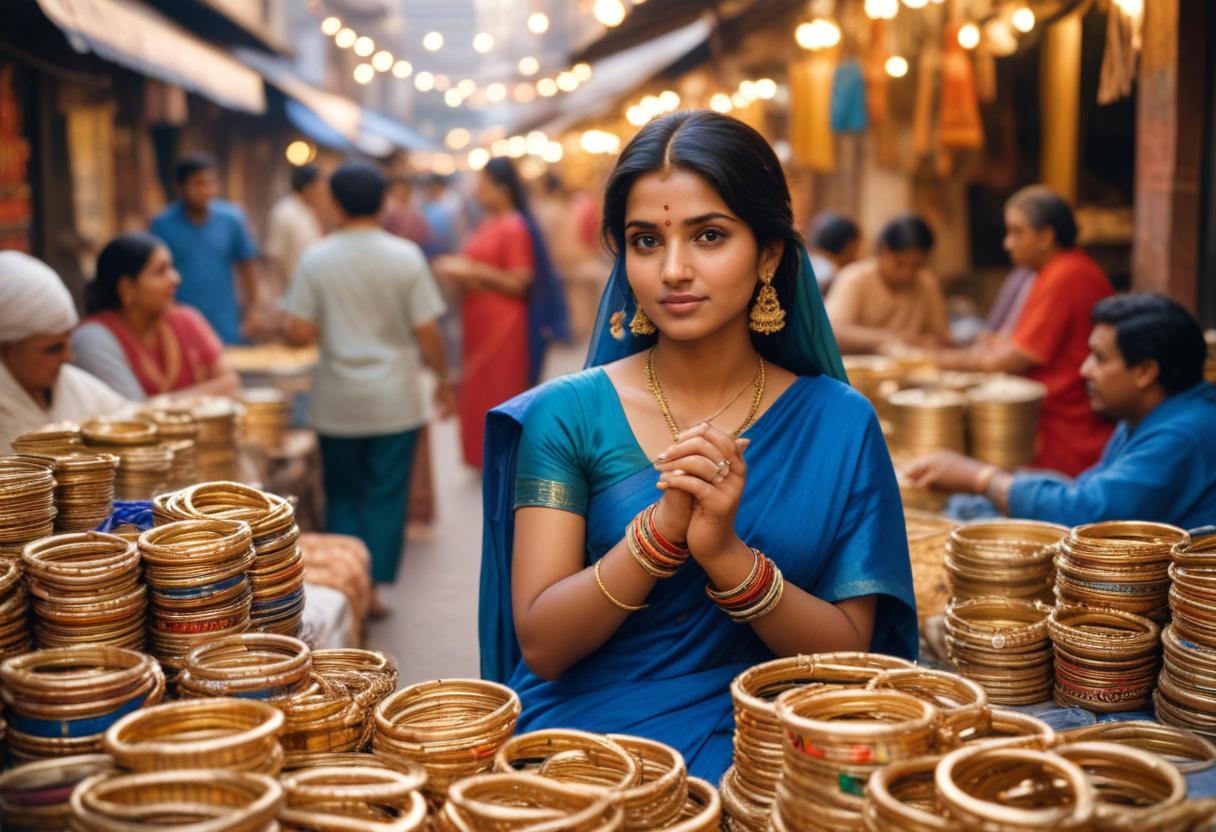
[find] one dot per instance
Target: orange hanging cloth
(811, 114)
(960, 126)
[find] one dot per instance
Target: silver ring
(723, 470)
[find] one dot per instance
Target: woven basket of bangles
(61, 701)
(1186, 689)
(340, 798)
(277, 574)
(451, 727)
(86, 588)
(27, 502)
(1005, 558)
(1119, 565)
(214, 800)
(199, 590)
(14, 610)
(1105, 660)
(1003, 644)
(749, 787)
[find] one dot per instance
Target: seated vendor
(891, 301)
(138, 339)
(37, 385)
(1145, 368)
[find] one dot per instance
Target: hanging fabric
(960, 126)
(849, 98)
(810, 112)
(1118, 74)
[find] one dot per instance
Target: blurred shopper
(891, 301)
(444, 215)
(1049, 340)
(835, 242)
(1145, 369)
(294, 224)
(136, 338)
(210, 240)
(368, 298)
(1010, 301)
(402, 217)
(579, 258)
(37, 384)
(511, 303)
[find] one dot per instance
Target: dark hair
(1151, 327)
(124, 256)
(1044, 208)
(502, 172)
(359, 187)
(191, 164)
(733, 158)
(832, 232)
(906, 232)
(303, 175)
(428, 180)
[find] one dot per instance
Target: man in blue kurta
(210, 241)
(1145, 369)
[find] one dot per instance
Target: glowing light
(670, 99)
(403, 69)
(546, 87)
(538, 23)
(524, 92)
(897, 66)
(721, 102)
(496, 92)
(600, 141)
(881, 9)
(300, 152)
(553, 153)
(330, 26)
(433, 42)
(916, 4)
(529, 66)
(382, 61)
(820, 33)
(466, 87)
(582, 71)
(364, 73)
(478, 157)
(748, 90)
(345, 38)
(651, 105)
(424, 82)
(483, 42)
(453, 98)
(442, 83)
(739, 100)
(766, 88)
(610, 12)
(1131, 8)
(1023, 20)
(566, 82)
(969, 36)
(636, 116)
(499, 148)
(364, 46)
(443, 164)
(457, 138)
(537, 141)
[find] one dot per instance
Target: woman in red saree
(137, 339)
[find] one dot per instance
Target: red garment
(495, 336)
(1054, 330)
(187, 350)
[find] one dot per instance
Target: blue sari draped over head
(821, 500)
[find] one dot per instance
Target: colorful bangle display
(657, 556)
(757, 596)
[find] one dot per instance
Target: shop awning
(133, 35)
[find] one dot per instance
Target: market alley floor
(432, 631)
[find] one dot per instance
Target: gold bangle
(618, 604)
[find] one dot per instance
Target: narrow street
(433, 630)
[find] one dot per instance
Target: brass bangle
(611, 599)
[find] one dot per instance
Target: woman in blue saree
(711, 445)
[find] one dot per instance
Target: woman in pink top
(138, 339)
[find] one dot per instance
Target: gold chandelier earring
(767, 316)
(641, 324)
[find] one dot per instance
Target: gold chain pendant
(656, 390)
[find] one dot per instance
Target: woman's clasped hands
(702, 477)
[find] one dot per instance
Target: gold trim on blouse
(550, 494)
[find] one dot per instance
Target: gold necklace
(656, 390)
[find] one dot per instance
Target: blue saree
(821, 501)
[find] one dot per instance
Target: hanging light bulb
(897, 66)
(566, 82)
(433, 42)
(651, 105)
(483, 42)
(820, 33)
(969, 36)
(496, 92)
(529, 66)
(364, 46)
(721, 103)
(582, 71)
(610, 12)
(424, 82)
(330, 26)
(382, 60)
(636, 116)
(1023, 20)
(300, 152)
(546, 87)
(916, 4)
(364, 73)
(345, 38)
(453, 98)
(1131, 8)
(553, 153)
(403, 69)
(457, 138)
(766, 89)
(881, 9)
(478, 157)
(538, 23)
(670, 99)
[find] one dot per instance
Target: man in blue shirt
(1145, 369)
(209, 239)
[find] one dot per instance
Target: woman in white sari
(37, 384)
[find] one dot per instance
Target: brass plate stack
(267, 413)
(1003, 416)
(749, 787)
(924, 421)
(452, 727)
(34, 796)
(14, 610)
(27, 502)
(196, 571)
(927, 536)
(1003, 558)
(1105, 660)
(500, 802)
(86, 589)
(84, 490)
(1119, 565)
(1003, 644)
(217, 801)
(350, 797)
(61, 701)
(1184, 695)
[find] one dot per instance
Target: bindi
(667, 223)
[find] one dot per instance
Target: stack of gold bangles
(84, 490)
(266, 416)
(217, 800)
(1186, 692)
(1003, 644)
(143, 468)
(54, 439)
(14, 609)
(834, 741)
(1118, 565)
(1105, 660)
(757, 596)
(493, 802)
(453, 728)
(215, 443)
(61, 701)
(375, 799)
(35, 796)
(1185, 750)
(27, 502)
(323, 718)
(927, 420)
(278, 571)
(86, 589)
(662, 794)
(1003, 558)
(962, 704)
(177, 431)
(259, 666)
(749, 787)
(197, 573)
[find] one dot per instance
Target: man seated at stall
(890, 301)
(1145, 368)
(37, 385)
